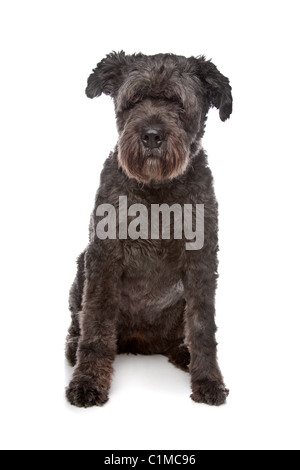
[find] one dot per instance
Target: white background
(53, 144)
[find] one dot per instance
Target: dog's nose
(152, 139)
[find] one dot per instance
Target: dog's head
(161, 104)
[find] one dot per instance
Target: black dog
(151, 296)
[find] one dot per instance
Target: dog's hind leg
(75, 303)
(180, 357)
(177, 352)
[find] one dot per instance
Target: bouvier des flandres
(150, 295)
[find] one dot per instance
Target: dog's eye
(180, 106)
(129, 106)
(177, 102)
(134, 101)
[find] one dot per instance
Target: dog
(150, 296)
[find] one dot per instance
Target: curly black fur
(151, 296)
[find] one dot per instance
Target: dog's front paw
(210, 392)
(85, 394)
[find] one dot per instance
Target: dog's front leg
(200, 284)
(98, 343)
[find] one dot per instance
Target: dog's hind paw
(85, 394)
(71, 350)
(210, 392)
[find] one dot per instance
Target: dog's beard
(146, 165)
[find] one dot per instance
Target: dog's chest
(152, 276)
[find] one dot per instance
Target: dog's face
(161, 106)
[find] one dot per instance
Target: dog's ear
(217, 87)
(107, 76)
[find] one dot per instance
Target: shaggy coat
(151, 296)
